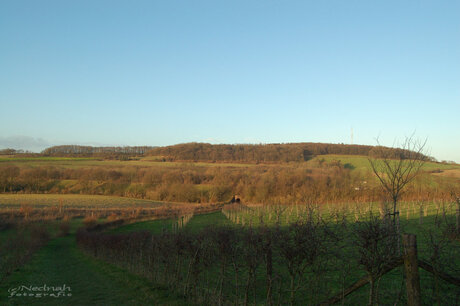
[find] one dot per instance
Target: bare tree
(396, 167)
(376, 250)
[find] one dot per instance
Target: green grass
(92, 282)
(196, 224)
(362, 162)
(154, 226)
(4, 234)
(200, 222)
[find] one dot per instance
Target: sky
(166, 72)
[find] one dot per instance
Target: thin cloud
(23, 143)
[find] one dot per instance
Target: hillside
(323, 178)
(287, 152)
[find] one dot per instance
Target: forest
(288, 152)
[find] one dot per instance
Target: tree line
(66, 150)
(289, 152)
(245, 153)
(9, 151)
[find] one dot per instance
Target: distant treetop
(67, 150)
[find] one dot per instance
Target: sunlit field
(72, 200)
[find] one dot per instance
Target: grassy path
(153, 226)
(196, 224)
(92, 282)
(200, 222)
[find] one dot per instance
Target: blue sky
(167, 72)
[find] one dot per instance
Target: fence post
(411, 269)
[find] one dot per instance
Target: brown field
(73, 200)
(455, 173)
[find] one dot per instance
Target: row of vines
(300, 262)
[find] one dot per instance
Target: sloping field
(72, 163)
(362, 162)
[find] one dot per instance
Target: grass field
(362, 162)
(13, 158)
(450, 173)
(83, 162)
(355, 161)
(73, 200)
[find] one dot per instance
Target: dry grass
(73, 200)
(18, 208)
(74, 163)
(449, 173)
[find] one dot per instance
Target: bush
(112, 217)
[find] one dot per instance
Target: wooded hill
(205, 152)
(264, 152)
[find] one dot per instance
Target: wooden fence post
(411, 268)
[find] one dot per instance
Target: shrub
(112, 217)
